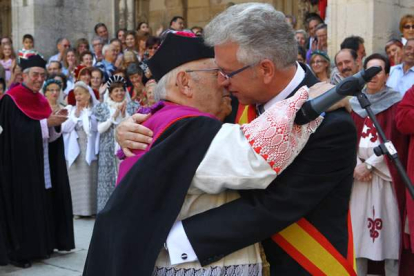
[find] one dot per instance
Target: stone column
(374, 20)
(47, 20)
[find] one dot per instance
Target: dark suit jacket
(317, 186)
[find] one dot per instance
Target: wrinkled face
(82, 97)
(130, 41)
(85, 77)
(28, 43)
(178, 24)
(102, 32)
(408, 50)
(144, 27)
(408, 30)
(34, 78)
(96, 79)
(312, 26)
(87, 60)
(7, 51)
(300, 38)
(347, 66)
(111, 54)
(82, 48)
(322, 35)
(136, 80)
(70, 57)
(117, 94)
(245, 85)
(97, 46)
(52, 92)
(377, 82)
(208, 95)
(121, 36)
(394, 52)
(318, 64)
(53, 68)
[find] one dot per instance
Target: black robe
(27, 209)
(130, 231)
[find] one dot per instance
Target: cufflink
(184, 256)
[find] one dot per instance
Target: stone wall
(374, 20)
(48, 20)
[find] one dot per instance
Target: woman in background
(81, 138)
(109, 114)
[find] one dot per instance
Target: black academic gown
(27, 219)
(316, 186)
(130, 231)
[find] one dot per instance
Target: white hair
(106, 48)
(260, 31)
(160, 90)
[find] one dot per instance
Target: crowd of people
(72, 120)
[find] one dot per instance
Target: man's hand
(56, 120)
(130, 134)
(322, 87)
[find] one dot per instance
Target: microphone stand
(385, 147)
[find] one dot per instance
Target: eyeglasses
(232, 74)
(37, 75)
(97, 44)
(66, 45)
(203, 70)
(407, 27)
(53, 90)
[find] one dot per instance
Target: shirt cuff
(179, 247)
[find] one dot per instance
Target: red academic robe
(404, 120)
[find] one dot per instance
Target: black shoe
(21, 263)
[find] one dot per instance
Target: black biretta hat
(33, 60)
(176, 50)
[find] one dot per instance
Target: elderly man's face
(208, 95)
(34, 78)
(346, 64)
(64, 44)
(111, 54)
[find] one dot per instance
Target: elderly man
(97, 45)
(188, 83)
(302, 216)
(61, 44)
(35, 214)
(54, 67)
(107, 65)
(346, 65)
(402, 75)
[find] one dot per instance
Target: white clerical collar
(297, 79)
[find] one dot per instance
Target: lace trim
(275, 137)
(232, 270)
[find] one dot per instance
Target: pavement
(60, 263)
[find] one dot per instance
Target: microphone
(349, 86)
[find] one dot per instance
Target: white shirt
(177, 240)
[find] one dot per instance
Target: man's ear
(183, 83)
(267, 70)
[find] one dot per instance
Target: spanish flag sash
(302, 241)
